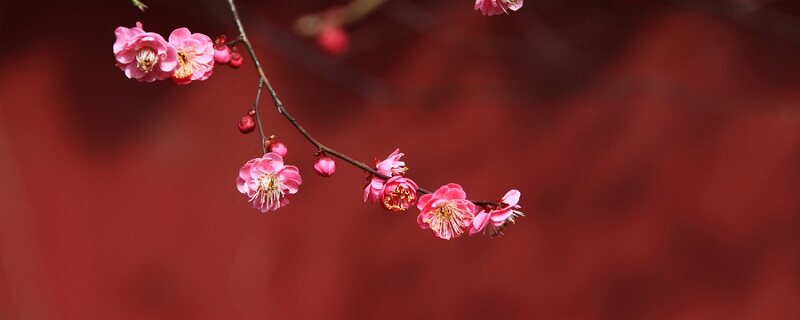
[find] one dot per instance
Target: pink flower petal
(512, 197)
(501, 215)
(479, 223)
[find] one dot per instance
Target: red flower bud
(325, 166)
(247, 123)
(278, 148)
(333, 39)
(236, 59)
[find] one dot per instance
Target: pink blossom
(494, 7)
(447, 211)
(391, 166)
(195, 53)
(144, 56)
(398, 194)
(495, 220)
(267, 182)
(325, 166)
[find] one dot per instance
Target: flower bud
(247, 123)
(278, 148)
(333, 39)
(236, 59)
(325, 166)
(222, 54)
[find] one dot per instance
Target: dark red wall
(656, 146)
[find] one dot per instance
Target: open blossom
(495, 220)
(195, 52)
(267, 182)
(398, 194)
(144, 56)
(495, 7)
(447, 211)
(391, 166)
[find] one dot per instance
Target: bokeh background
(656, 145)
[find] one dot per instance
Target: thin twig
(258, 118)
(263, 80)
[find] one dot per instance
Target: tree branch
(264, 81)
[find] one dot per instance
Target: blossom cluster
(268, 183)
(183, 57)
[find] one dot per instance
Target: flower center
(447, 220)
(187, 64)
(269, 191)
(146, 59)
(400, 199)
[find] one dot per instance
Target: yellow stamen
(187, 65)
(270, 190)
(399, 199)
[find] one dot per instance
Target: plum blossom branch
(322, 149)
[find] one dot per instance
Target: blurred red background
(656, 145)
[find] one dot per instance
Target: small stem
(233, 42)
(264, 81)
(258, 118)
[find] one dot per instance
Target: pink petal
(126, 56)
(455, 194)
(420, 218)
(424, 201)
(512, 197)
(501, 215)
(479, 223)
(377, 183)
(178, 35)
(241, 185)
(244, 172)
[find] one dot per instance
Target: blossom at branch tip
(144, 56)
(495, 7)
(494, 221)
(391, 166)
(447, 212)
(267, 182)
(398, 194)
(195, 52)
